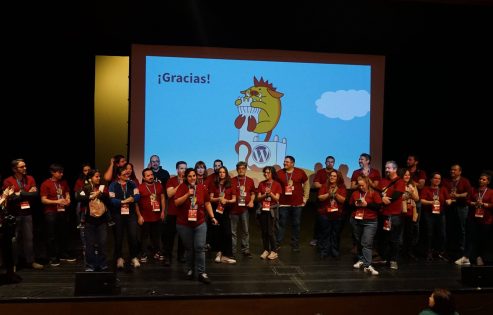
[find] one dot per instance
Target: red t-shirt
(395, 206)
(249, 185)
(374, 175)
(145, 206)
(228, 194)
(173, 182)
(49, 190)
(428, 194)
(370, 197)
(461, 186)
(26, 183)
(275, 188)
(298, 177)
(487, 197)
(323, 206)
(202, 195)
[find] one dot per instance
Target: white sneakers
(218, 257)
(264, 255)
(393, 265)
(463, 261)
(371, 270)
(135, 262)
(358, 265)
(273, 255)
(227, 260)
(120, 263)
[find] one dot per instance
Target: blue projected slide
(255, 111)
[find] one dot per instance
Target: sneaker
(207, 247)
(218, 257)
(189, 275)
(358, 265)
(227, 260)
(37, 266)
(143, 259)
(81, 226)
(204, 278)
(479, 261)
(393, 265)
(68, 259)
(135, 262)
(120, 263)
(111, 223)
(313, 242)
(54, 262)
(89, 269)
(273, 255)
(371, 270)
(264, 255)
(463, 261)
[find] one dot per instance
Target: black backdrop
(438, 58)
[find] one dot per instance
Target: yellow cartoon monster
(265, 97)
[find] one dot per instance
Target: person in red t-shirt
(170, 222)
(410, 213)
(365, 170)
(269, 193)
(245, 196)
(151, 206)
(192, 201)
(55, 196)
(21, 205)
(295, 192)
(480, 222)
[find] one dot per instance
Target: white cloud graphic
(344, 104)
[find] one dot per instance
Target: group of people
(211, 212)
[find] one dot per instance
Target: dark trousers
(221, 234)
(168, 237)
(328, 241)
(268, 225)
(149, 232)
(57, 236)
(95, 245)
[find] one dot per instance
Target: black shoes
(204, 278)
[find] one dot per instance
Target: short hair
(180, 163)
(330, 157)
(16, 162)
(91, 173)
(147, 169)
(55, 167)
(393, 163)
(218, 161)
(366, 156)
(154, 155)
(290, 157)
(241, 163)
(444, 302)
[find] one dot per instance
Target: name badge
(241, 201)
(192, 215)
(479, 213)
(436, 208)
(266, 205)
(25, 205)
(220, 208)
(125, 209)
(155, 206)
(332, 207)
(359, 214)
(387, 224)
(288, 190)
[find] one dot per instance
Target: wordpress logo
(261, 154)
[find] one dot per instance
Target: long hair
(227, 180)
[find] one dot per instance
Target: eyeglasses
(21, 166)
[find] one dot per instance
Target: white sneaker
(463, 261)
(218, 257)
(479, 261)
(358, 265)
(273, 255)
(120, 263)
(371, 270)
(135, 262)
(264, 254)
(227, 260)
(393, 265)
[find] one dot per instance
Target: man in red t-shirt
(295, 192)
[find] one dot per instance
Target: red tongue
(239, 121)
(252, 123)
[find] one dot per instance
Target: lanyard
(124, 190)
(481, 195)
(154, 184)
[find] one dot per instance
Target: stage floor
(294, 273)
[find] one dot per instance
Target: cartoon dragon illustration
(265, 97)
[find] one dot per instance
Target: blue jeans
(95, 245)
(245, 237)
(295, 214)
(24, 237)
(364, 232)
(194, 242)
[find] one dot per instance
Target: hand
(33, 189)
(214, 221)
(140, 220)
